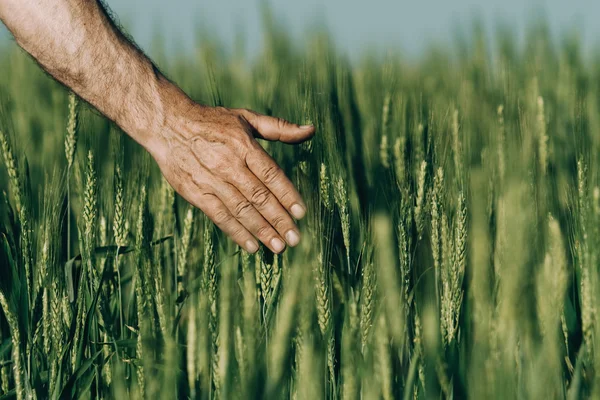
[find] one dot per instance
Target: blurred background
(355, 25)
(454, 188)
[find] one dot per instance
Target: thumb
(277, 129)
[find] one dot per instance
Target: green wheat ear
(384, 151)
(399, 151)
(350, 354)
(17, 357)
(11, 167)
(186, 237)
(450, 248)
(367, 303)
(71, 137)
(542, 135)
(340, 196)
(324, 187)
(420, 200)
(90, 217)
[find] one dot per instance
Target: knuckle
(243, 111)
(287, 196)
(271, 173)
(222, 109)
(245, 114)
(279, 222)
(281, 123)
(214, 160)
(237, 233)
(260, 197)
(217, 164)
(222, 217)
(242, 208)
(263, 231)
(221, 164)
(243, 141)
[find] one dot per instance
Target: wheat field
(451, 247)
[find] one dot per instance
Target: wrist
(164, 118)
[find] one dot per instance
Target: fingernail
(306, 126)
(292, 238)
(277, 245)
(298, 211)
(251, 246)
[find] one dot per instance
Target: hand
(209, 155)
(213, 160)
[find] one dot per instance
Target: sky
(356, 25)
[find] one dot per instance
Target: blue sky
(355, 25)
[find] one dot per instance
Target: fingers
(265, 202)
(273, 177)
(277, 129)
(245, 212)
(220, 215)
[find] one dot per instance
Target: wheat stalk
(90, 217)
(120, 230)
(456, 147)
(436, 248)
(211, 284)
(367, 303)
(70, 148)
(225, 324)
(42, 280)
(340, 195)
(456, 271)
(11, 169)
(388, 289)
(240, 356)
(419, 152)
(324, 187)
(322, 296)
(203, 341)
(56, 330)
(191, 350)
(542, 136)
(349, 358)
(501, 144)
(4, 379)
(266, 279)
(308, 380)
(384, 151)
(405, 265)
(399, 160)
(71, 137)
(418, 348)
(383, 361)
(141, 297)
(420, 201)
(18, 368)
(17, 185)
(588, 310)
(279, 345)
(552, 279)
(250, 316)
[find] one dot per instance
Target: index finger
(266, 169)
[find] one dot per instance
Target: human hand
(212, 159)
(209, 155)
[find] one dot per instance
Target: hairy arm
(209, 155)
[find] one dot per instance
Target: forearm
(207, 154)
(76, 43)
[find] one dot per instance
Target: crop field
(451, 247)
